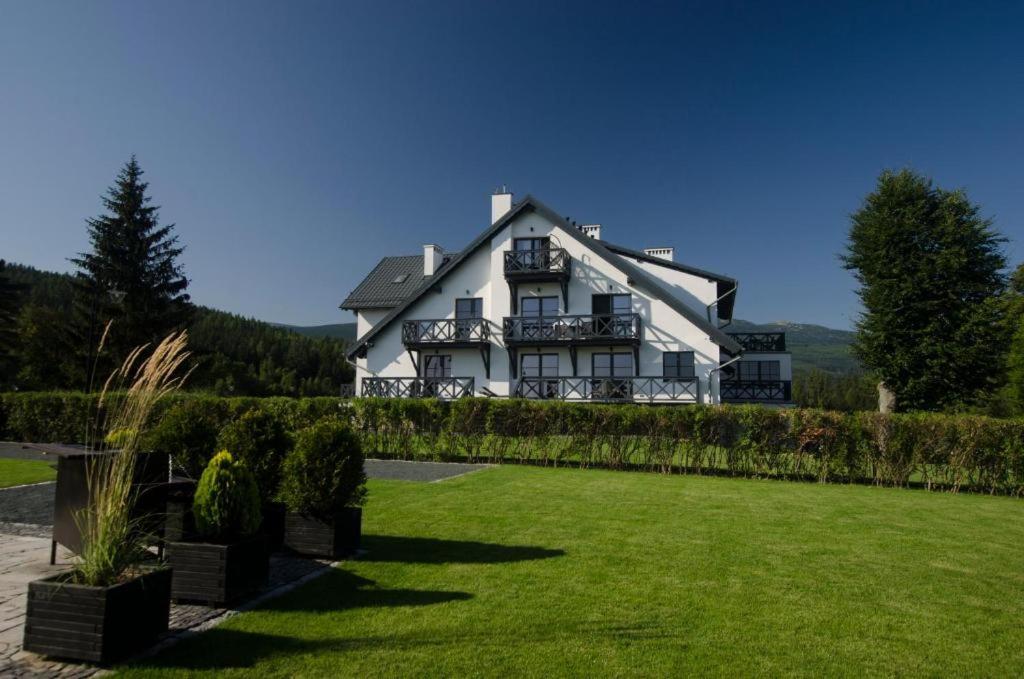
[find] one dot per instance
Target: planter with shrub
(324, 485)
(231, 560)
(260, 440)
(116, 600)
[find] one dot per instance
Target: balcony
(418, 387)
(537, 266)
(446, 332)
(760, 391)
(760, 341)
(610, 389)
(600, 329)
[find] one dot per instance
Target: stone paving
(25, 557)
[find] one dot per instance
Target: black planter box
(313, 537)
(218, 574)
(273, 524)
(97, 624)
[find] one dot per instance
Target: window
(534, 368)
(539, 306)
(469, 308)
(612, 365)
(611, 304)
(437, 366)
(677, 364)
(400, 278)
(526, 244)
(759, 371)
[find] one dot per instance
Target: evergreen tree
(10, 302)
(131, 277)
(931, 276)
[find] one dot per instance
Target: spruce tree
(10, 303)
(131, 277)
(930, 270)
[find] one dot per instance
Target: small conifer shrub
(227, 502)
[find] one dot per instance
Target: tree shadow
(398, 549)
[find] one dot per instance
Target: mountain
(342, 331)
(813, 346)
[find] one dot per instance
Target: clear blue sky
(295, 143)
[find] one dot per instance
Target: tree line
(67, 331)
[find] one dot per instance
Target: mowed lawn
(519, 571)
(19, 472)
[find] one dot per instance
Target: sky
(293, 144)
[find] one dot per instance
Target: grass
(526, 571)
(20, 472)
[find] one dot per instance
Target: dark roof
(726, 284)
(379, 290)
(634, 273)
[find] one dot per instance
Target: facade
(538, 307)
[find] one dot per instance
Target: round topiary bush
(188, 433)
(227, 502)
(324, 473)
(258, 439)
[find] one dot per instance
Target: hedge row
(954, 452)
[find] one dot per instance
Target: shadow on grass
(335, 591)
(396, 549)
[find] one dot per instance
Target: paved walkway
(24, 558)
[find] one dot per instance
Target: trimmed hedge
(952, 452)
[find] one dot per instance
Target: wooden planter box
(97, 624)
(218, 574)
(313, 537)
(179, 524)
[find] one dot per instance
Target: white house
(538, 307)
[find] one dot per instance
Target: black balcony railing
(590, 328)
(760, 391)
(553, 261)
(418, 387)
(650, 389)
(760, 341)
(445, 331)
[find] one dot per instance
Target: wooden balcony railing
(590, 328)
(418, 387)
(554, 261)
(760, 341)
(445, 331)
(756, 391)
(650, 389)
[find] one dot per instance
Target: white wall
(482, 275)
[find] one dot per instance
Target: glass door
(535, 367)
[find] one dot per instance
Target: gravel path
(34, 504)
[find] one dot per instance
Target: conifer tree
(10, 302)
(131, 276)
(931, 277)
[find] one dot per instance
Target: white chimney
(663, 253)
(432, 258)
(501, 203)
(592, 230)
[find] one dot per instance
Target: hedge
(949, 452)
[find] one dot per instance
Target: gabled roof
(380, 289)
(635, 274)
(726, 285)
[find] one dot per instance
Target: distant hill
(344, 331)
(813, 346)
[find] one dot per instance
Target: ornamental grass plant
(112, 540)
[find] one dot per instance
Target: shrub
(260, 440)
(188, 433)
(227, 502)
(119, 438)
(324, 473)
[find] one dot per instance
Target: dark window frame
(678, 364)
(611, 363)
(446, 369)
(479, 300)
(761, 370)
(545, 242)
(540, 299)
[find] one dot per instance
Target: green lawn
(20, 472)
(526, 571)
